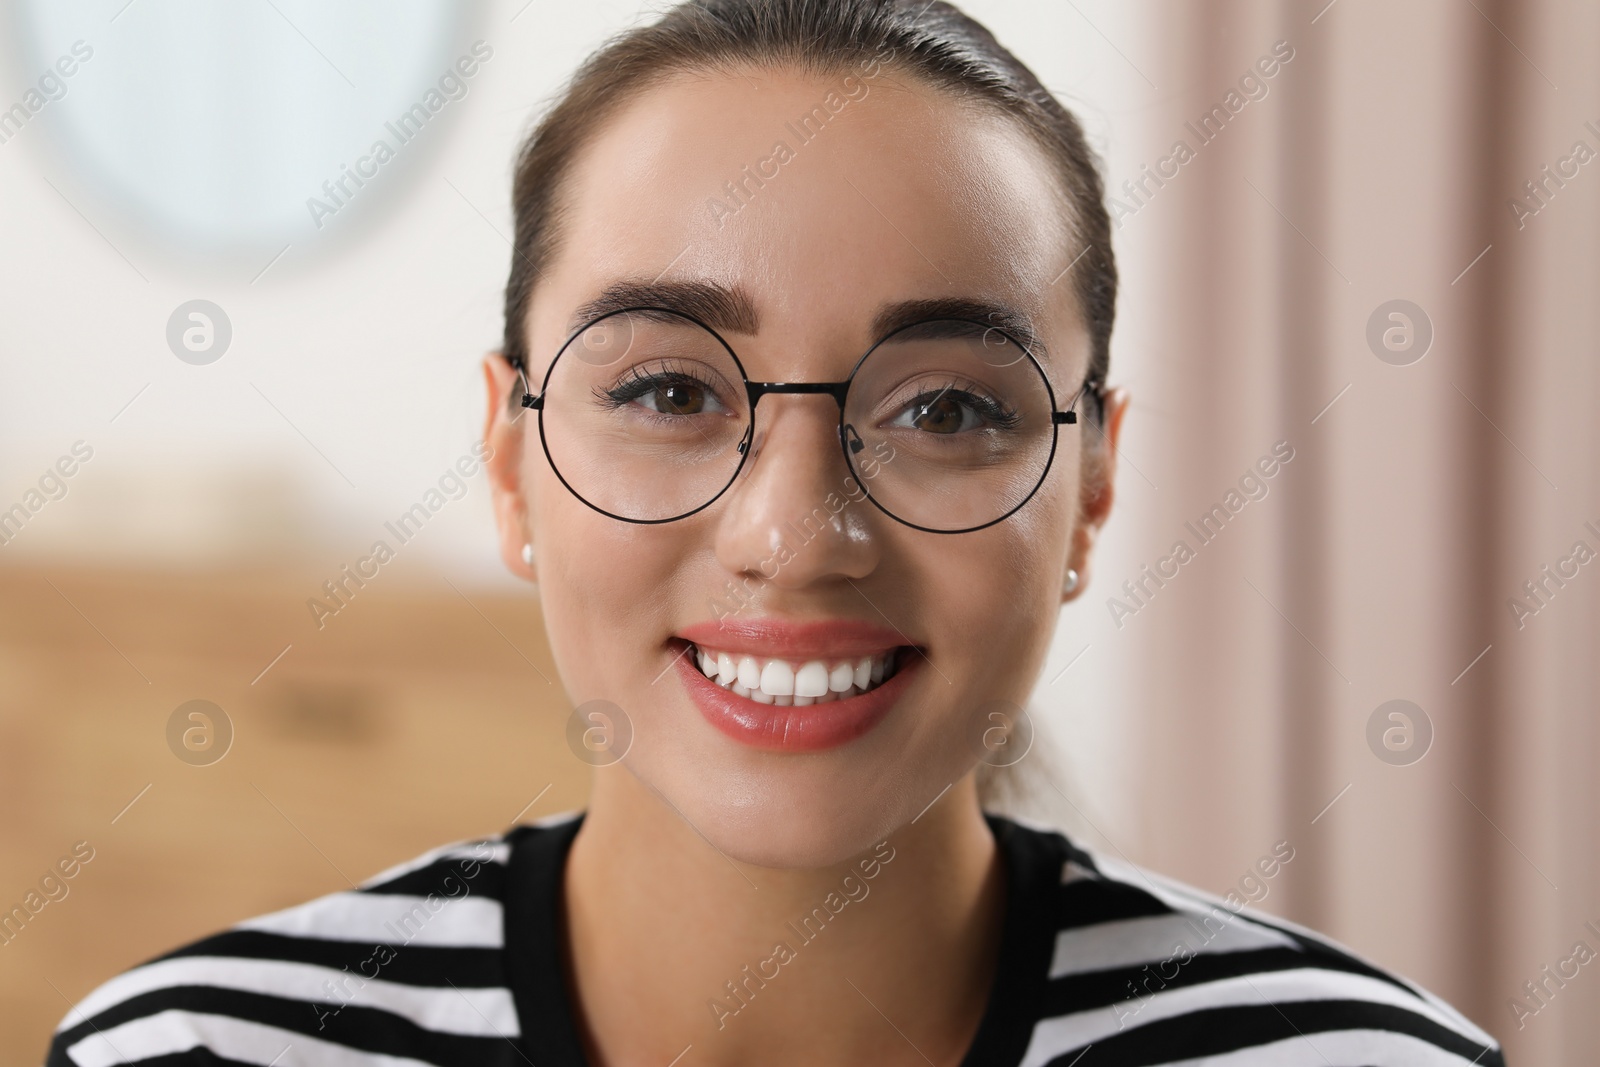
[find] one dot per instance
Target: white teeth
(841, 678)
(811, 680)
(777, 678)
(786, 684)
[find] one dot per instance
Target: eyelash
(640, 382)
(998, 417)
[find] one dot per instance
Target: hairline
(555, 237)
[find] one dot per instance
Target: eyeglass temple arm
(1067, 418)
(531, 401)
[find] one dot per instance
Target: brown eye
(680, 398)
(943, 415)
(667, 394)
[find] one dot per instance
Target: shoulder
(1147, 970)
(405, 968)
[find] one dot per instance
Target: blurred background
(238, 342)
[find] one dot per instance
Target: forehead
(824, 197)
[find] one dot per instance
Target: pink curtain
(1431, 481)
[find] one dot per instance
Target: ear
(504, 431)
(1097, 489)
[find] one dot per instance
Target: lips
(798, 687)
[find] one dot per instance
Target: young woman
(801, 427)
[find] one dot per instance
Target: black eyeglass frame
(754, 391)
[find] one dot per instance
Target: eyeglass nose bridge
(756, 390)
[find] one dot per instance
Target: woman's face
(899, 193)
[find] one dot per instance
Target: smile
(790, 683)
(795, 686)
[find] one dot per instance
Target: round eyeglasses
(947, 425)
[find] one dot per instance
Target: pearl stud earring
(1071, 585)
(527, 554)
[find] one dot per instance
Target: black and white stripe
(412, 968)
(310, 985)
(1146, 971)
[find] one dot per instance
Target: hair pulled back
(932, 42)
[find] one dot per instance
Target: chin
(769, 829)
(789, 812)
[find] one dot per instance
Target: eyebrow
(1006, 317)
(730, 308)
(718, 306)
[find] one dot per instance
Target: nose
(796, 516)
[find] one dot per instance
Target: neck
(887, 958)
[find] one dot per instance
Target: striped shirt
(455, 958)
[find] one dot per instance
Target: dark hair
(932, 41)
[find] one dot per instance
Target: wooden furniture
(418, 715)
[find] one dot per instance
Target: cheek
(1010, 595)
(1038, 537)
(992, 603)
(601, 586)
